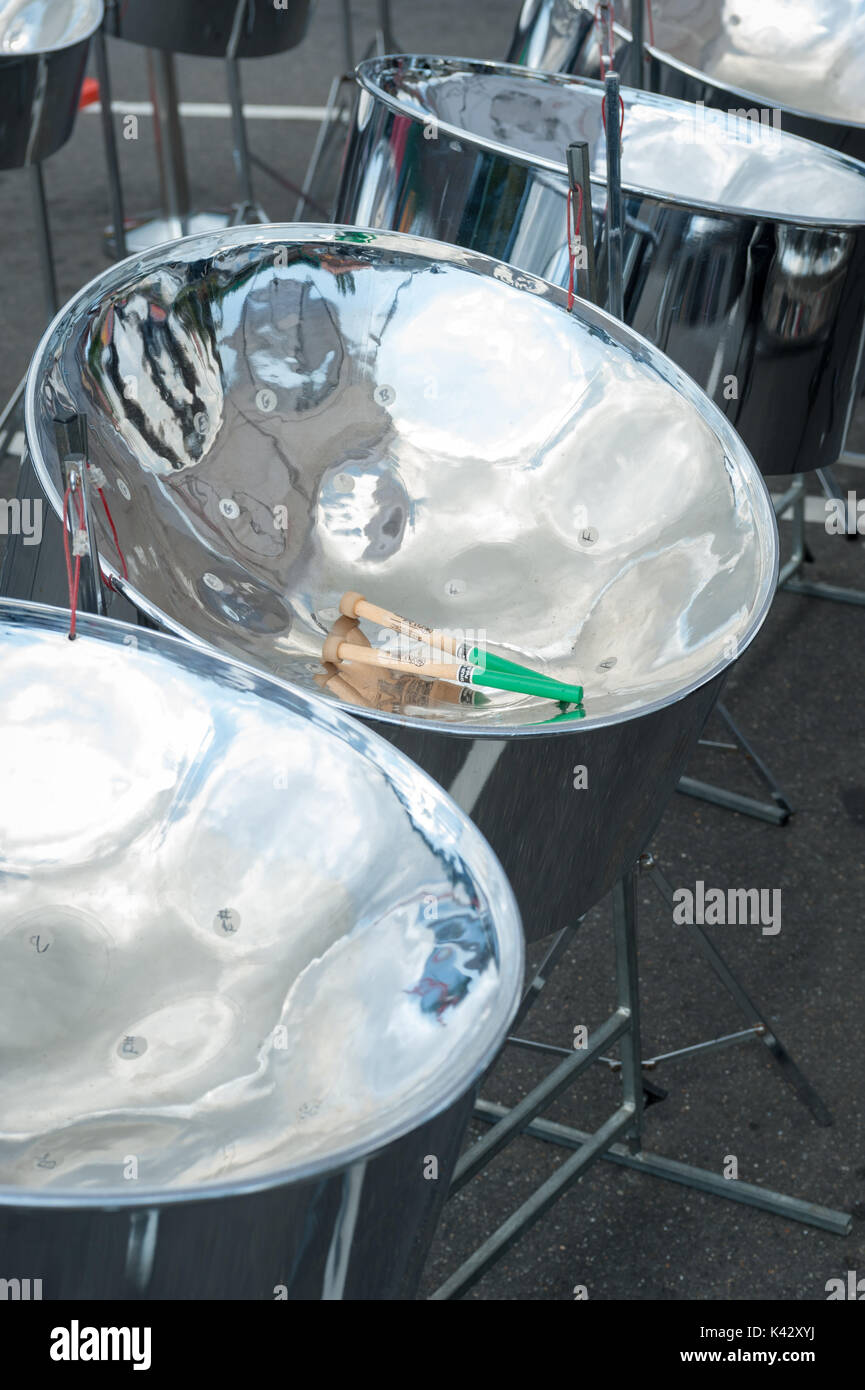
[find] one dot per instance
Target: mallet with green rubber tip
(462, 673)
(354, 605)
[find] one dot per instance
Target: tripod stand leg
(838, 1223)
(805, 1092)
(628, 998)
(547, 965)
(115, 187)
(776, 814)
(43, 240)
(759, 766)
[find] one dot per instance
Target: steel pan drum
(286, 413)
(205, 28)
(744, 247)
(805, 58)
(43, 55)
(252, 962)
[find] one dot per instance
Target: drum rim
(735, 450)
(447, 1085)
(474, 66)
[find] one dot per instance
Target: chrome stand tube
(115, 187)
(540, 1202)
(242, 165)
(348, 35)
(169, 138)
(43, 240)
(837, 1223)
(638, 45)
(538, 1099)
(386, 41)
(248, 209)
(615, 215)
(628, 995)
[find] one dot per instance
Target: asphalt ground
(797, 693)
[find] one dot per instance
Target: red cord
(73, 577)
(571, 238)
(651, 25)
(114, 534)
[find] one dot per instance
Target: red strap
(73, 573)
(114, 534)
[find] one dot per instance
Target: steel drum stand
(776, 813)
(791, 577)
(338, 109)
(619, 1139)
(759, 1026)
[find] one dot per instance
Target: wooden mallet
(354, 605)
(464, 673)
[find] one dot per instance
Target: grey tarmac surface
(797, 693)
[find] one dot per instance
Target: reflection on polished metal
(252, 963)
(805, 58)
(205, 28)
(43, 54)
(744, 247)
(286, 413)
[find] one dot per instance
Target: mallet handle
(356, 606)
(368, 656)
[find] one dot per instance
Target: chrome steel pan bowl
(43, 55)
(286, 413)
(205, 28)
(252, 962)
(744, 247)
(803, 58)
